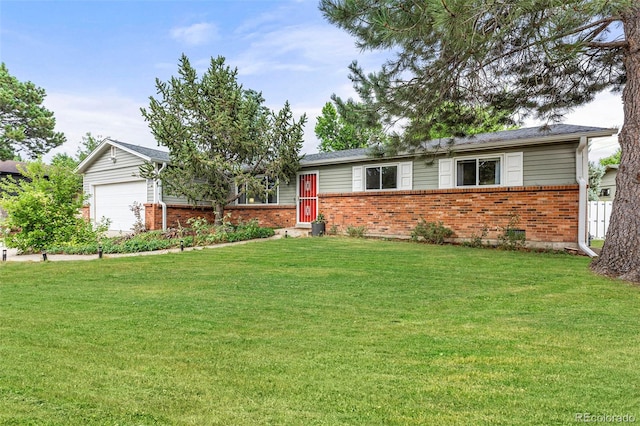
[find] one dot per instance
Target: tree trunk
(218, 211)
(620, 255)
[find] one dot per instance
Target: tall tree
(336, 134)
(25, 125)
(525, 56)
(220, 136)
(87, 145)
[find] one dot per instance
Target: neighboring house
(10, 169)
(608, 183)
(535, 175)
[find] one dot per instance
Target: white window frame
(404, 176)
(456, 160)
(266, 197)
(381, 166)
(511, 170)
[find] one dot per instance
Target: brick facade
(268, 216)
(548, 214)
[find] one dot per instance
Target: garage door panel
(114, 202)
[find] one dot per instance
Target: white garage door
(114, 201)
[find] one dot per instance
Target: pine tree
(220, 135)
(523, 57)
(25, 125)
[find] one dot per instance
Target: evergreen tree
(523, 57)
(25, 125)
(220, 136)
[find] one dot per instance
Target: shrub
(356, 231)
(42, 210)
(512, 238)
(476, 239)
(204, 234)
(431, 232)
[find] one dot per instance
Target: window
(267, 196)
(504, 169)
(478, 172)
(381, 177)
(605, 192)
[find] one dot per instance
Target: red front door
(307, 197)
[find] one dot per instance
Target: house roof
(147, 154)
(10, 167)
(503, 139)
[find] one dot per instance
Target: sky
(98, 61)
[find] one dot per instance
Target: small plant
(320, 219)
(333, 230)
(200, 228)
(511, 237)
(476, 240)
(431, 232)
(138, 225)
(356, 231)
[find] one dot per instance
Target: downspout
(158, 191)
(582, 164)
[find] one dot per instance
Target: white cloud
(299, 48)
(604, 111)
(102, 114)
(196, 34)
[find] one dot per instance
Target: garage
(114, 200)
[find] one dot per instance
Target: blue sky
(98, 60)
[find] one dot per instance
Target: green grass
(323, 331)
(597, 243)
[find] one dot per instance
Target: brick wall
(268, 216)
(548, 214)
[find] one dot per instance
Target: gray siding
(609, 182)
(542, 165)
(287, 193)
(335, 178)
(550, 164)
(105, 171)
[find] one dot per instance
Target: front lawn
(317, 331)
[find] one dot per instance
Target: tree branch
(608, 45)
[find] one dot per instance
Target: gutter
(582, 165)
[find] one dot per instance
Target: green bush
(356, 231)
(431, 232)
(42, 210)
(204, 234)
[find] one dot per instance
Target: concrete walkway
(13, 256)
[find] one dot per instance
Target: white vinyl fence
(599, 214)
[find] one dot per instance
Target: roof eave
(470, 147)
(82, 167)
